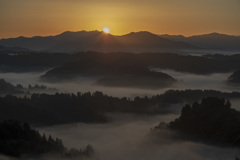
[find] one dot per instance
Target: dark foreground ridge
(212, 121)
(18, 140)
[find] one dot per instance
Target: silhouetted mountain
(146, 41)
(96, 41)
(212, 121)
(209, 41)
(135, 42)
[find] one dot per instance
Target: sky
(186, 17)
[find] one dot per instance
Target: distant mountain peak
(213, 34)
(77, 32)
(136, 36)
(214, 40)
(141, 41)
(172, 36)
(142, 33)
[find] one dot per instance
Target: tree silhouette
(18, 139)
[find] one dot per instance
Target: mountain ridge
(212, 40)
(68, 31)
(142, 41)
(97, 41)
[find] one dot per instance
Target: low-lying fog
(186, 81)
(129, 137)
(215, 81)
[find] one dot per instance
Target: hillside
(107, 73)
(110, 66)
(7, 88)
(19, 139)
(212, 121)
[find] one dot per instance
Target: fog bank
(129, 137)
(186, 81)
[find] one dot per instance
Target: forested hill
(19, 139)
(60, 108)
(8, 88)
(213, 121)
(25, 62)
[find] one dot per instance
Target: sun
(106, 30)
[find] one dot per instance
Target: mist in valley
(130, 137)
(119, 80)
(84, 84)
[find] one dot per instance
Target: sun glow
(106, 30)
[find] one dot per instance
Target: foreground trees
(17, 139)
(213, 121)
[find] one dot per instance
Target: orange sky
(51, 17)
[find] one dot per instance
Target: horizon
(31, 36)
(187, 17)
(155, 79)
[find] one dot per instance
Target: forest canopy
(19, 139)
(212, 121)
